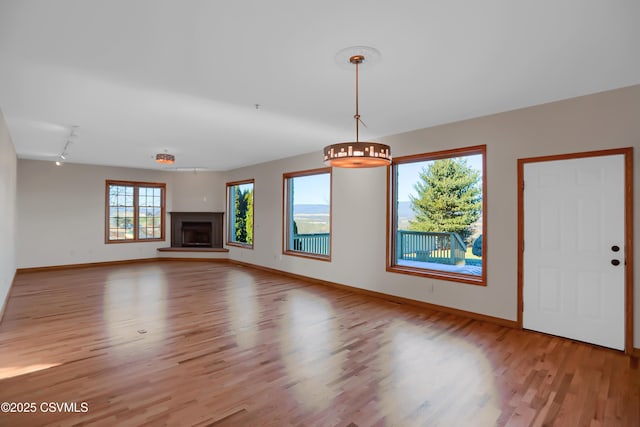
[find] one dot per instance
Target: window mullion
(136, 208)
(290, 220)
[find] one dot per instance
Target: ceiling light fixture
(165, 158)
(65, 151)
(357, 154)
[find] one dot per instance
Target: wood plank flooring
(213, 344)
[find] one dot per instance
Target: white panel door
(573, 236)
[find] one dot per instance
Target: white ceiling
(140, 77)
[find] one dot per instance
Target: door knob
(615, 248)
(615, 262)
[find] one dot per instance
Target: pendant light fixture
(357, 154)
(165, 158)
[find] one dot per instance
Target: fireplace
(196, 233)
(196, 229)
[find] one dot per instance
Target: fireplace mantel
(197, 224)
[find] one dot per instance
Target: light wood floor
(213, 344)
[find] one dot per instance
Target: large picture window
(240, 213)
(307, 213)
(135, 211)
(437, 207)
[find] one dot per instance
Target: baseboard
(392, 298)
(86, 265)
(110, 263)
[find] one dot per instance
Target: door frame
(628, 230)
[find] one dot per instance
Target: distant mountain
(404, 209)
(311, 209)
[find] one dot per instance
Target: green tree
(449, 198)
(241, 216)
(249, 221)
(243, 212)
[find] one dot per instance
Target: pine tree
(240, 216)
(449, 198)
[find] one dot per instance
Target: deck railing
(316, 243)
(443, 248)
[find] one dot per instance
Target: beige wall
(600, 121)
(61, 210)
(198, 191)
(8, 171)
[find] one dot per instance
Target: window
(307, 213)
(240, 213)
(135, 211)
(437, 209)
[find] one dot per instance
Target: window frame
(285, 213)
(136, 187)
(392, 216)
(229, 232)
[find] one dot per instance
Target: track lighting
(65, 151)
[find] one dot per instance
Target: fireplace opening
(196, 234)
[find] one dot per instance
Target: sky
(408, 174)
(245, 187)
(314, 189)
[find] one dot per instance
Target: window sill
(326, 258)
(134, 241)
(441, 275)
(240, 245)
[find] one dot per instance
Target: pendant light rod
(357, 60)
